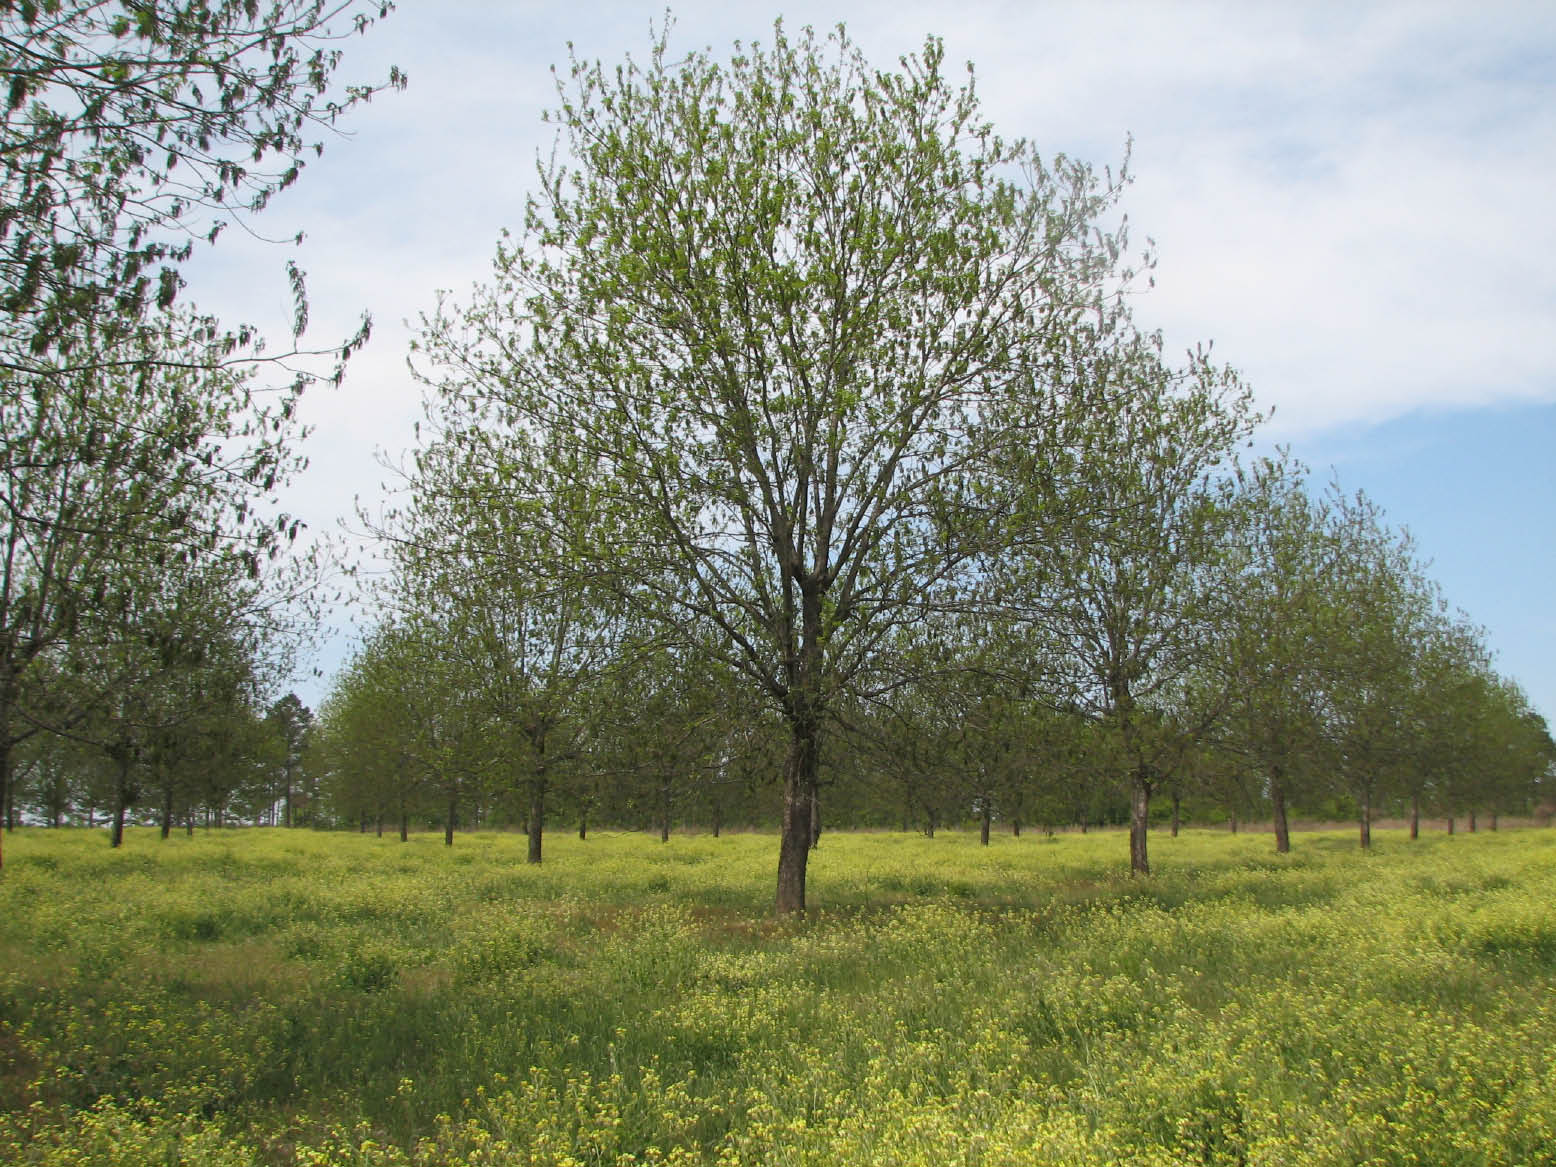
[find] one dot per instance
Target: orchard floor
(279, 997)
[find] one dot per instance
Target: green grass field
(286, 997)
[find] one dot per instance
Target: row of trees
(149, 590)
(806, 433)
(802, 449)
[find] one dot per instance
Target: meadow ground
(270, 997)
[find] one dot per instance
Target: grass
(269, 997)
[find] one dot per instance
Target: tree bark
(167, 806)
(1415, 817)
(1450, 824)
(799, 801)
(448, 827)
(815, 817)
(1015, 828)
(1282, 828)
(1176, 812)
(583, 824)
(1231, 821)
(1139, 822)
(987, 820)
(121, 799)
(1366, 821)
(718, 819)
(7, 703)
(664, 812)
(537, 817)
(1472, 822)
(405, 825)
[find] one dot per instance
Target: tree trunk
(405, 825)
(1366, 820)
(1472, 822)
(1415, 817)
(189, 819)
(121, 799)
(664, 812)
(1015, 828)
(1282, 828)
(1177, 817)
(929, 823)
(987, 820)
(1493, 820)
(537, 816)
(718, 819)
(1139, 822)
(287, 770)
(1231, 821)
(167, 806)
(7, 703)
(448, 827)
(583, 823)
(1450, 824)
(815, 818)
(799, 801)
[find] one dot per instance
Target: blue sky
(1349, 200)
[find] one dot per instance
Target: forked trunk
(1278, 802)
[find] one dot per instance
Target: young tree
(1119, 546)
(1267, 672)
(785, 309)
(290, 722)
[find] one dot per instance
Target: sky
(1351, 202)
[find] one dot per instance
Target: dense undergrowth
(269, 997)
